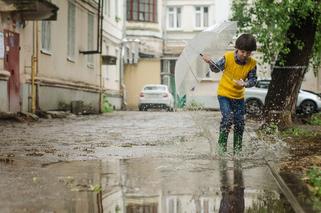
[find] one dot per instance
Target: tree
(289, 34)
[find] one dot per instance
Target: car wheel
(254, 107)
(308, 107)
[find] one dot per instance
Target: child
(239, 72)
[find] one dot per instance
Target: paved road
(132, 162)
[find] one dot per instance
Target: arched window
(142, 10)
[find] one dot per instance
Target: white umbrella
(190, 67)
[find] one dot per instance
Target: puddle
(147, 185)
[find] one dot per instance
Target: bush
(194, 105)
(314, 179)
(315, 119)
(107, 107)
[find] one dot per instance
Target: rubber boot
(237, 142)
(222, 142)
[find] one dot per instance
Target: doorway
(11, 64)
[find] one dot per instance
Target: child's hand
(206, 58)
(240, 82)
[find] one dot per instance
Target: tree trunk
(280, 102)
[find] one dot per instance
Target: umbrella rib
(190, 68)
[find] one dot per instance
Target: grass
(298, 132)
(314, 179)
(315, 119)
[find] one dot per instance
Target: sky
(222, 10)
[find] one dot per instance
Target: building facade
(58, 60)
(113, 35)
(143, 47)
(183, 20)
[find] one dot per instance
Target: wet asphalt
(134, 162)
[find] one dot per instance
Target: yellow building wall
(147, 71)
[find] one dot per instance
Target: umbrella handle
(213, 63)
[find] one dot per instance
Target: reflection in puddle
(139, 186)
(232, 194)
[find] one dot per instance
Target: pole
(34, 64)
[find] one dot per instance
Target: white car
(307, 102)
(155, 96)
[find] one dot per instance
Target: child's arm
(251, 79)
(217, 66)
(214, 66)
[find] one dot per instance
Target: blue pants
(233, 111)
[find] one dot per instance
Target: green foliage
(270, 22)
(95, 188)
(194, 105)
(314, 179)
(107, 107)
(268, 201)
(297, 132)
(269, 129)
(315, 119)
(117, 209)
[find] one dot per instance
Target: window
(116, 8)
(201, 17)
(107, 9)
(106, 67)
(142, 10)
(174, 17)
(71, 30)
(117, 64)
(46, 36)
(90, 39)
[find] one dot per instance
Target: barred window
(142, 10)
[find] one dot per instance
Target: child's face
(243, 54)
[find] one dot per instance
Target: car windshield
(162, 88)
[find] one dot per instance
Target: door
(11, 64)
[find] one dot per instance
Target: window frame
(201, 12)
(142, 10)
(46, 37)
(71, 31)
(177, 20)
(90, 36)
(116, 8)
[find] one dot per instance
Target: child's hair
(246, 42)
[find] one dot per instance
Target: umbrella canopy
(190, 67)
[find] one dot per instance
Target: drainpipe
(122, 53)
(101, 99)
(34, 67)
(98, 50)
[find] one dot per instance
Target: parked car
(155, 96)
(307, 102)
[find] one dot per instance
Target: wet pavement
(133, 162)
